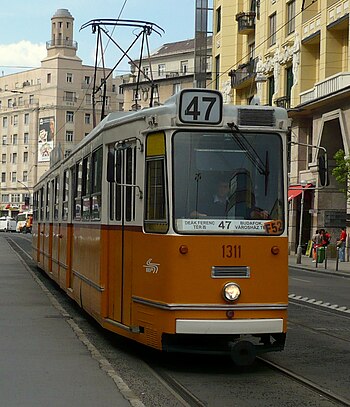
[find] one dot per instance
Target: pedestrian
(341, 243)
(326, 237)
(316, 242)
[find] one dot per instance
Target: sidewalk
(325, 267)
(43, 361)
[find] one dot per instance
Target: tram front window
(228, 183)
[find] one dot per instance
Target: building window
(272, 29)
(69, 135)
(69, 117)
(271, 87)
(218, 19)
(121, 90)
(161, 69)
(88, 99)
(14, 158)
(48, 78)
(9, 103)
(14, 176)
(4, 140)
(25, 138)
(5, 198)
(4, 122)
(67, 153)
(145, 71)
(15, 198)
(252, 51)
(217, 71)
(87, 80)
(69, 97)
(25, 176)
(25, 157)
(184, 67)
(26, 118)
(20, 101)
(14, 139)
(87, 118)
(3, 158)
(290, 17)
(176, 88)
(69, 77)
(15, 120)
(31, 99)
(289, 84)
(3, 177)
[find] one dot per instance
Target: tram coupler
(242, 353)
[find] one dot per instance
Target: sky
(25, 26)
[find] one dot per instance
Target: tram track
(179, 391)
(185, 397)
(328, 394)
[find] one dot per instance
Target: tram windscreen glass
(228, 183)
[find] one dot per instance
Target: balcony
(283, 101)
(246, 22)
(326, 87)
(62, 43)
(243, 75)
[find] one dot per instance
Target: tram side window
(96, 185)
(47, 201)
(36, 205)
(130, 180)
(85, 189)
(118, 188)
(77, 191)
(156, 216)
(65, 195)
(56, 197)
(41, 203)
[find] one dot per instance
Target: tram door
(120, 242)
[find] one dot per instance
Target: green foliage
(341, 171)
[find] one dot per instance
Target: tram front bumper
(229, 327)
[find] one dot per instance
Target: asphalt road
(318, 348)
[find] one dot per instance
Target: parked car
(7, 224)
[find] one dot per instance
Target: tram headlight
(231, 292)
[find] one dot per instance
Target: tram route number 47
(200, 106)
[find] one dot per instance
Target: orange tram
(168, 225)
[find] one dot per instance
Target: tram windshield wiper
(251, 153)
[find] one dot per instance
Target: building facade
(294, 54)
(46, 111)
(171, 67)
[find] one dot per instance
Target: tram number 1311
(229, 251)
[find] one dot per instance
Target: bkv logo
(151, 267)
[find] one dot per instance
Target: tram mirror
(110, 166)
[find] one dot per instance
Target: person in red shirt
(341, 244)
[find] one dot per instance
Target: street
(317, 353)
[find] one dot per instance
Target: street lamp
(299, 249)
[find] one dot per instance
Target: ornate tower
(62, 35)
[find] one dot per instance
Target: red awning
(296, 190)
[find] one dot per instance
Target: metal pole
(299, 249)
(337, 260)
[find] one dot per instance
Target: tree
(341, 171)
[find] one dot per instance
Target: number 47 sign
(199, 106)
